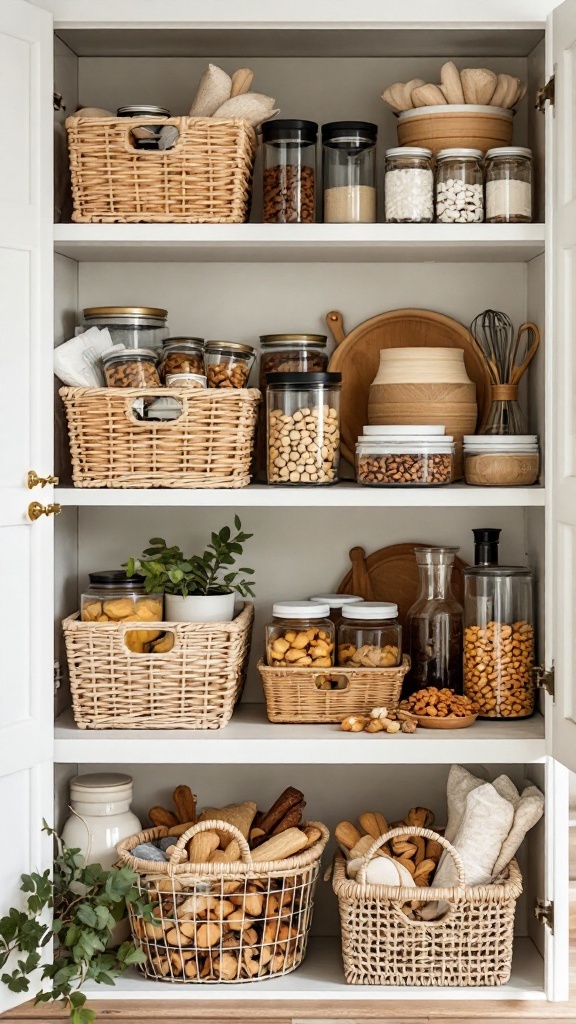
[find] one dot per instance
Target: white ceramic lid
(370, 610)
(336, 600)
(300, 610)
(405, 428)
(92, 788)
(406, 439)
(412, 447)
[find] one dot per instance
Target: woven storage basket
(209, 445)
(292, 694)
(204, 179)
(470, 946)
(269, 936)
(194, 686)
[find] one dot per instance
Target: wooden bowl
(455, 126)
(428, 722)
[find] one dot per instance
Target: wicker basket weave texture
(205, 179)
(470, 946)
(261, 944)
(209, 445)
(293, 696)
(196, 685)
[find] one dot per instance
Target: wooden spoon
(478, 85)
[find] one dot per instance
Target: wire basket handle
(411, 830)
(209, 826)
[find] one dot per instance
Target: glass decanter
(434, 625)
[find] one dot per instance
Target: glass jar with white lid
(336, 603)
(459, 186)
(408, 185)
(301, 635)
(370, 635)
(509, 185)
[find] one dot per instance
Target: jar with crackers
(301, 635)
(370, 635)
(499, 640)
(130, 368)
(228, 364)
(112, 597)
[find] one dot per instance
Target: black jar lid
(303, 380)
(347, 131)
(115, 578)
(290, 130)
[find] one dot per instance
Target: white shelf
(293, 243)
(321, 977)
(519, 742)
(343, 495)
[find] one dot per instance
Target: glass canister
(303, 427)
(349, 172)
(336, 603)
(130, 368)
(289, 171)
(434, 625)
(101, 816)
(499, 640)
(228, 364)
(509, 185)
(114, 597)
(131, 326)
(370, 635)
(408, 185)
(300, 635)
(182, 355)
(459, 186)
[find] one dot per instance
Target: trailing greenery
(168, 571)
(76, 909)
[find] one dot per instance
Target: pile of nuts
(368, 656)
(132, 373)
(498, 662)
(288, 194)
(459, 202)
(442, 703)
(308, 648)
(227, 374)
(381, 720)
(292, 361)
(303, 448)
(182, 362)
(404, 469)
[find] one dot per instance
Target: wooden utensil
(428, 722)
(357, 358)
(518, 371)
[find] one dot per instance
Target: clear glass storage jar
(459, 186)
(336, 603)
(303, 427)
(434, 625)
(130, 368)
(182, 355)
(300, 635)
(406, 463)
(131, 326)
(289, 174)
(499, 640)
(228, 364)
(292, 353)
(507, 460)
(509, 185)
(408, 185)
(146, 135)
(114, 597)
(349, 172)
(370, 635)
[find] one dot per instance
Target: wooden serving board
(391, 574)
(357, 358)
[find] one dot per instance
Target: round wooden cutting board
(357, 358)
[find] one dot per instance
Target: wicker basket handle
(411, 830)
(209, 826)
(132, 394)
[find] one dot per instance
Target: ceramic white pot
(199, 608)
(101, 816)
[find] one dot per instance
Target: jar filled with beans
(370, 635)
(228, 364)
(499, 640)
(182, 355)
(289, 171)
(409, 463)
(130, 368)
(303, 427)
(300, 636)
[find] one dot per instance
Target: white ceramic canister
(199, 607)
(101, 816)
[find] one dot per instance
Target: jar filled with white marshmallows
(459, 186)
(408, 186)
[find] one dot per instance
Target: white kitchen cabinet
(246, 280)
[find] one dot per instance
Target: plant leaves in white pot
(199, 607)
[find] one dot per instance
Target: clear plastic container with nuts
(130, 368)
(303, 427)
(370, 635)
(289, 157)
(336, 603)
(499, 640)
(404, 461)
(300, 636)
(182, 355)
(228, 364)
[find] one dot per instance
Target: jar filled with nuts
(404, 461)
(182, 355)
(303, 427)
(336, 603)
(499, 640)
(459, 186)
(289, 171)
(300, 636)
(130, 368)
(370, 635)
(228, 364)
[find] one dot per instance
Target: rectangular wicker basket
(209, 445)
(470, 945)
(204, 179)
(196, 685)
(294, 694)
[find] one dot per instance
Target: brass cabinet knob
(34, 479)
(35, 510)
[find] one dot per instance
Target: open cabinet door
(26, 681)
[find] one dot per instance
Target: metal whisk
(493, 333)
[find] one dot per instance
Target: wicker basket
(194, 686)
(293, 694)
(209, 445)
(266, 941)
(471, 945)
(204, 179)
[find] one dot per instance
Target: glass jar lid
(127, 355)
(228, 346)
(336, 600)
(290, 130)
(125, 311)
(371, 611)
(270, 340)
(459, 154)
(142, 110)
(182, 345)
(301, 381)
(419, 151)
(300, 610)
(347, 132)
(494, 571)
(509, 151)
(115, 579)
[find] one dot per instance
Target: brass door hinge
(544, 912)
(544, 678)
(547, 92)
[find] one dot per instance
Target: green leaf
(224, 534)
(87, 915)
(15, 982)
(82, 1016)
(237, 523)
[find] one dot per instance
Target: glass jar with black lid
(349, 172)
(289, 156)
(303, 427)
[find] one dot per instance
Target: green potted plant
(197, 588)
